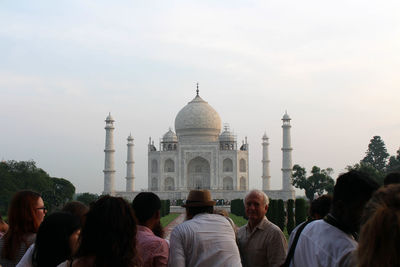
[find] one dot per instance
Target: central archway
(199, 174)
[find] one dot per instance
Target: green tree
(87, 198)
(373, 173)
(24, 175)
(394, 163)
(376, 155)
(319, 181)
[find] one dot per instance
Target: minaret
(129, 166)
(266, 177)
(286, 155)
(109, 169)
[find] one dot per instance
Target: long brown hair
(109, 234)
(22, 219)
(380, 234)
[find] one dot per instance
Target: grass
(168, 218)
(238, 220)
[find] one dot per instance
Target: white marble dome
(198, 118)
(226, 136)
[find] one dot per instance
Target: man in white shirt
(332, 241)
(205, 239)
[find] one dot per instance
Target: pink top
(153, 250)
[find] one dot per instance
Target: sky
(64, 65)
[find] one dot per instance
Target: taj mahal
(199, 156)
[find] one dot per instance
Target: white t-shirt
(321, 244)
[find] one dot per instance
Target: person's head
(256, 206)
(320, 207)
(380, 232)
(350, 194)
(25, 215)
(198, 201)
(392, 178)
(109, 233)
(146, 206)
(56, 240)
(77, 209)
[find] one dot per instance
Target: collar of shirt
(261, 225)
(143, 228)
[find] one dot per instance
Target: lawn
(238, 220)
(168, 218)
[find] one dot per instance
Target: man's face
(255, 208)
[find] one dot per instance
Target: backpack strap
(293, 246)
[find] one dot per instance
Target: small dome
(198, 118)
(226, 135)
(265, 136)
(170, 136)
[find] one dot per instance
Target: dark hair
(22, 219)
(320, 206)
(78, 209)
(193, 211)
(380, 233)
(52, 241)
(109, 233)
(392, 178)
(353, 186)
(145, 205)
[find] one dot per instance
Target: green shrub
(281, 216)
(300, 211)
(237, 207)
(290, 216)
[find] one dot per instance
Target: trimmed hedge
(301, 210)
(237, 207)
(165, 207)
(281, 216)
(290, 216)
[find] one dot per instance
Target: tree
(394, 163)
(319, 181)
(87, 198)
(24, 175)
(376, 155)
(369, 170)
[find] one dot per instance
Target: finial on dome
(197, 90)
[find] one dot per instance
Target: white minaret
(286, 154)
(109, 169)
(266, 177)
(129, 166)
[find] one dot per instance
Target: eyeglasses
(42, 208)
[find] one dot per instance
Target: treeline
(377, 163)
(24, 175)
(289, 214)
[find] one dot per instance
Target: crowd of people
(358, 226)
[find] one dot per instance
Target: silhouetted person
(332, 241)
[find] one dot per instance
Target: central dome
(198, 119)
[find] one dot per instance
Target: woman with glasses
(25, 215)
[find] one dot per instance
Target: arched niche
(227, 165)
(227, 183)
(169, 165)
(199, 176)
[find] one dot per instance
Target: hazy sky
(333, 65)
